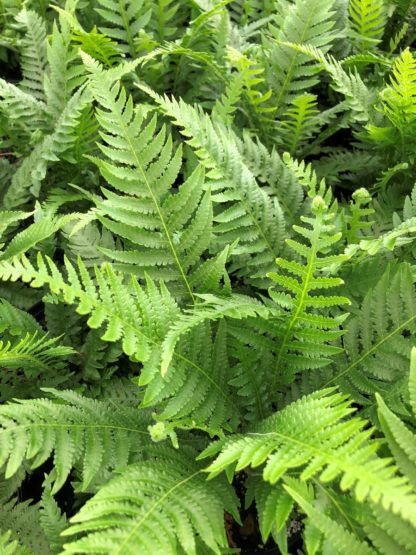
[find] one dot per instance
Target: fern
(80, 432)
(327, 450)
(304, 332)
(172, 498)
(253, 210)
(305, 22)
(368, 19)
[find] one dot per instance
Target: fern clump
(207, 277)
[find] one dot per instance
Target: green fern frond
(368, 20)
(33, 354)
(210, 309)
(94, 436)
(140, 318)
(28, 177)
(328, 445)
(157, 225)
(123, 21)
(22, 519)
(245, 211)
(399, 98)
(9, 546)
(305, 22)
(358, 97)
(304, 332)
(168, 489)
(298, 121)
(340, 538)
(52, 519)
(33, 59)
(376, 353)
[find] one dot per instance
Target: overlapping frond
(328, 445)
(95, 436)
(158, 505)
(244, 210)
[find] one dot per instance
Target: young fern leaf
(33, 354)
(304, 333)
(298, 121)
(156, 506)
(164, 229)
(328, 445)
(94, 435)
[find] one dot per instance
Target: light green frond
(328, 445)
(298, 121)
(33, 354)
(159, 228)
(244, 210)
(123, 20)
(307, 328)
(156, 506)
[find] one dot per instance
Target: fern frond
(368, 20)
(33, 354)
(94, 436)
(340, 538)
(140, 318)
(28, 177)
(298, 124)
(376, 353)
(328, 445)
(245, 211)
(305, 332)
(11, 547)
(399, 98)
(33, 59)
(359, 98)
(163, 229)
(123, 21)
(168, 489)
(305, 22)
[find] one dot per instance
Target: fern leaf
(368, 19)
(377, 353)
(123, 21)
(328, 445)
(169, 490)
(30, 174)
(303, 332)
(254, 217)
(340, 538)
(33, 53)
(76, 430)
(174, 229)
(305, 22)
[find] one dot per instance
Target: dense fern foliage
(207, 277)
